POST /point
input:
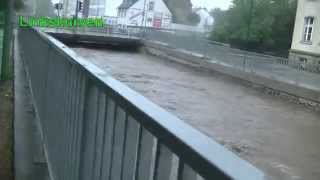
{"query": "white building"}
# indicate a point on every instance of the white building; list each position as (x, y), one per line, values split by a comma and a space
(305, 48)
(206, 20)
(96, 8)
(69, 7)
(144, 13)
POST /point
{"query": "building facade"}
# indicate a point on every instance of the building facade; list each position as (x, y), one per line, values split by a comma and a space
(305, 48)
(97, 8)
(92, 8)
(69, 8)
(144, 13)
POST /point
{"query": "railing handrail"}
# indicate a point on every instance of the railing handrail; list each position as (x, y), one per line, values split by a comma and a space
(203, 154)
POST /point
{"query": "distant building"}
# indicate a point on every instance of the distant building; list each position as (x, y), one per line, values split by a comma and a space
(206, 20)
(96, 8)
(305, 48)
(144, 13)
(69, 8)
(204, 25)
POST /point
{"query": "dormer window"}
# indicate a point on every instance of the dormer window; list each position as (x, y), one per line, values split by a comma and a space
(308, 29)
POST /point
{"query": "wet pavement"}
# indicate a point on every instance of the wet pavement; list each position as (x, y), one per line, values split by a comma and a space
(277, 136)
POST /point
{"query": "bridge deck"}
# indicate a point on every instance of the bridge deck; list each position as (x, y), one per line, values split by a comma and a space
(274, 134)
(83, 35)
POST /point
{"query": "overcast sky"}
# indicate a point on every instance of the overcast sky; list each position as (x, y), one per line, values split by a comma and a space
(209, 4)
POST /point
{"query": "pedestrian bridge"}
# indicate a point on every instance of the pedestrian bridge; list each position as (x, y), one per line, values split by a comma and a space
(94, 127)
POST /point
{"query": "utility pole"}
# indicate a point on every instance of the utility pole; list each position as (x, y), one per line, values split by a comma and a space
(61, 5)
(143, 24)
(58, 6)
(66, 6)
(143, 12)
(77, 9)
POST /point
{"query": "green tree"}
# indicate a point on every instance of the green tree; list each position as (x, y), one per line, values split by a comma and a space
(283, 25)
(256, 24)
(221, 28)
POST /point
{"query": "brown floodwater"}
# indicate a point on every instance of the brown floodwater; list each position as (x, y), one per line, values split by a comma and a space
(277, 136)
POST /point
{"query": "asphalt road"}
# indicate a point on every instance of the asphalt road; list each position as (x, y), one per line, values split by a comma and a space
(277, 136)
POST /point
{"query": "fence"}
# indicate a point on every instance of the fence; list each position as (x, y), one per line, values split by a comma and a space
(94, 127)
(198, 43)
(266, 65)
(114, 30)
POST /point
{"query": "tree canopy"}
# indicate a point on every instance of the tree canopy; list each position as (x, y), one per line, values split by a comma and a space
(2, 5)
(256, 24)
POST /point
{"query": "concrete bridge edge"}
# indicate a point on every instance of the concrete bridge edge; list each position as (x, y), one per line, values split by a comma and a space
(29, 160)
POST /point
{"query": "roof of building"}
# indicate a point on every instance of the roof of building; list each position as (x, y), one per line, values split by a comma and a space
(127, 4)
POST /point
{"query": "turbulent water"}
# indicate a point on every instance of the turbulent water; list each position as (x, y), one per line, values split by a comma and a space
(277, 136)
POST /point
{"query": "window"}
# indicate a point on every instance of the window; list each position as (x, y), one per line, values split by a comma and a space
(151, 6)
(308, 29)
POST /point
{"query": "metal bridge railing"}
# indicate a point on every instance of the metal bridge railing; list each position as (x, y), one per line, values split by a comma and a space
(133, 32)
(95, 127)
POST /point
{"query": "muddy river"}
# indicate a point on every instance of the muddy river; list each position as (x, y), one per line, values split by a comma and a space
(277, 136)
